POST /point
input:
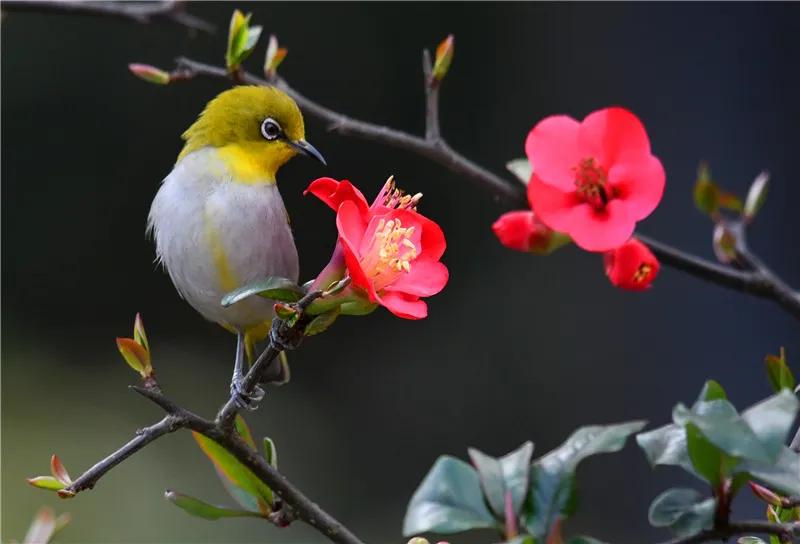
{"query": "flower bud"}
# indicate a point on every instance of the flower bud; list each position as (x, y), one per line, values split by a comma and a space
(149, 73)
(766, 495)
(631, 266)
(523, 231)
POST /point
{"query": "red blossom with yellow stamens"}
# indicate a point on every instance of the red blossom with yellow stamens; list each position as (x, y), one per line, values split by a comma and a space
(593, 179)
(631, 266)
(391, 251)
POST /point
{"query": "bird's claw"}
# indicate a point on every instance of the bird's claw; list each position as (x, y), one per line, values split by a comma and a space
(244, 400)
(284, 337)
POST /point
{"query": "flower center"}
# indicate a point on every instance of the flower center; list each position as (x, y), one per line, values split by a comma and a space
(592, 183)
(390, 253)
(642, 272)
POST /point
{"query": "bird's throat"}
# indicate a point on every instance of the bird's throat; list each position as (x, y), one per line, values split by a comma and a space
(250, 165)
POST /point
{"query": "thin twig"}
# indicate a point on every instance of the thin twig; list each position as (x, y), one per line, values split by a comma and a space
(221, 431)
(784, 531)
(760, 282)
(139, 12)
(433, 132)
(143, 437)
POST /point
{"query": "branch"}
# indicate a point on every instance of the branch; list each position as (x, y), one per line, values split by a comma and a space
(143, 437)
(139, 12)
(221, 430)
(759, 281)
(786, 532)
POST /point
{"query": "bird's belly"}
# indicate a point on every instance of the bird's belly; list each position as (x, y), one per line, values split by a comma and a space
(219, 238)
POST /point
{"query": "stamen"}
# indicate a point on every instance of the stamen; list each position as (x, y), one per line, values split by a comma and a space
(592, 183)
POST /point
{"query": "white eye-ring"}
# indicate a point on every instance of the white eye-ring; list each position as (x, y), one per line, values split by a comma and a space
(270, 129)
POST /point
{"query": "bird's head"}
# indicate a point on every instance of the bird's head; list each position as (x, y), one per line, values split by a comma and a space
(255, 129)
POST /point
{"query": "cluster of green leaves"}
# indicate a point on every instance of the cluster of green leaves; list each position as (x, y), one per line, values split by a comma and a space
(59, 480)
(710, 198)
(725, 448)
(524, 501)
(254, 497)
(242, 39)
(337, 300)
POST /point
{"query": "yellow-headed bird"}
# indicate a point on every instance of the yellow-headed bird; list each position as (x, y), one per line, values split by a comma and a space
(218, 219)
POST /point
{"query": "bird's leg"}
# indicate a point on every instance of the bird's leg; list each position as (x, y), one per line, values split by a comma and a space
(243, 400)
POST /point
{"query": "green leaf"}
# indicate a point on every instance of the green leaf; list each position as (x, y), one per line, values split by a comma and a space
(729, 201)
(666, 446)
(552, 476)
(771, 420)
(779, 374)
(201, 509)
(46, 482)
(706, 192)
(244, 431)
(449, 500)
(270, 452)
(521, 168)
(706, 457)
(272, 287)
(684, 511)
(783, 475)
(719, 422)
(245, 487)
(322, 322)
(712, 390)
(507, 474)
(756, 196)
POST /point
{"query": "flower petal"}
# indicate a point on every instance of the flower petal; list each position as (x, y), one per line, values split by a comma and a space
(402, 305)
(639, 184)
(333, 193)
(551, 205)
(552, 149)
(350, 224)
(600, 231)
(427, 277)
(606, 135)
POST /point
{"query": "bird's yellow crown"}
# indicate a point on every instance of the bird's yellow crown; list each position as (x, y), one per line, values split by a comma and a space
(240, 123)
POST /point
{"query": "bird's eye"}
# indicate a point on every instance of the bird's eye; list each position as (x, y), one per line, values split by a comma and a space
(270, 129)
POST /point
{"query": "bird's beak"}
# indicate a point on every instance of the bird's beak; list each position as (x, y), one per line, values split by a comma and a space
(307, 149)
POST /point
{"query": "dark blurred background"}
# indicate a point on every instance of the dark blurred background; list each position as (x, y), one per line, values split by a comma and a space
(517, 347)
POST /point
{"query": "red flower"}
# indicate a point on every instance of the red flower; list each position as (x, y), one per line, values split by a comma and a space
(391, 251)
(631, 266)
(595, 179)
(522, 231)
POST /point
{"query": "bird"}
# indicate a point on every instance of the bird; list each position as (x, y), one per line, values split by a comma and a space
(218, 220)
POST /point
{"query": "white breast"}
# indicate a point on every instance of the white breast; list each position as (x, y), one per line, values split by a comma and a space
(204, 223)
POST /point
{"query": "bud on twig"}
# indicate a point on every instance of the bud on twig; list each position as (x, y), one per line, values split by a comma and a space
(149, 73)
(136, 351)
(724, 243)
(441, 63)
(242, 39)
(274, 57)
